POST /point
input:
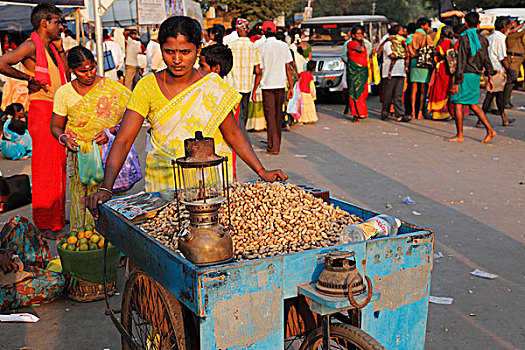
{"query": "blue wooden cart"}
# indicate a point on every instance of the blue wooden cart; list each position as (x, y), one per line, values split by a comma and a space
(271, 302)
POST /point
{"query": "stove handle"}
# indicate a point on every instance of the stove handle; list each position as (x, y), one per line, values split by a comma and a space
(369, 290)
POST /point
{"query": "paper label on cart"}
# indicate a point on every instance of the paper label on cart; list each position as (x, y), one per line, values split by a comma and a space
(375, 227)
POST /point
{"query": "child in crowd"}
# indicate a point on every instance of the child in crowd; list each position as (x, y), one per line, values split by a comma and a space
(307, 87)
(217, 58)
(15, 142)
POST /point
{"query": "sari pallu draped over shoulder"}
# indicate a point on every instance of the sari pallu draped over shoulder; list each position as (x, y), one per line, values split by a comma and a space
(357, 78)
(202, 106)
(101, 108)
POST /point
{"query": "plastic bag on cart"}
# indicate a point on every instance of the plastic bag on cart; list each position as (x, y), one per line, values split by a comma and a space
(90, 168)
(130, 173)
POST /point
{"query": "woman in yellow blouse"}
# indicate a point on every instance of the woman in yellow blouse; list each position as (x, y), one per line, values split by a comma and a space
(177, 102)
(82, 110)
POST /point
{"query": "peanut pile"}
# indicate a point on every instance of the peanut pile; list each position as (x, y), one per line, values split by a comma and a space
(274, 218)
(268, 219)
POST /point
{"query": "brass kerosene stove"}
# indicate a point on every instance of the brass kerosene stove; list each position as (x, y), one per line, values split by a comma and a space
(201, 184)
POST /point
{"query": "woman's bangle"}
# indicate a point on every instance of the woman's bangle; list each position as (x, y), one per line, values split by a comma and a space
(106, 190)
(259, 171)
(60, 141)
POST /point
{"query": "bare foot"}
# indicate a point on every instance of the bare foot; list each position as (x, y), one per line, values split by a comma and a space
(420, 116)
(489, 137)
(455, 139)
(355, 120)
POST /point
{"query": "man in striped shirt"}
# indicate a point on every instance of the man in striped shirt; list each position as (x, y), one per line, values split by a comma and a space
(246, 63)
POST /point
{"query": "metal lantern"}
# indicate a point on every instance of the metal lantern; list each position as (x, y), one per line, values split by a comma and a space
(201, 184)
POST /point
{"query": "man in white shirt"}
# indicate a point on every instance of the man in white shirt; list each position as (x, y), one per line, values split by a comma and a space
(116, 52)
(132, 52)
(498, 57)
(154, 54)
(246, 62)
(393, 80)
(276, 70)
(233, 36)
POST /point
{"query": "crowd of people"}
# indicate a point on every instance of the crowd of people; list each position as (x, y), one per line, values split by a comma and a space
(438, 74)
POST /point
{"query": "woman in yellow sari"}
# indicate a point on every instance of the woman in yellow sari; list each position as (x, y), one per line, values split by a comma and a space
(177, 102)
(82, 110)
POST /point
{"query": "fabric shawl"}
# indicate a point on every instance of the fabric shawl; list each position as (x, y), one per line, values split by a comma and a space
(475, 44)
(41, 69)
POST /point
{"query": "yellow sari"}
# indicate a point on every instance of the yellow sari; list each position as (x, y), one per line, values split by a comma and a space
(202, 106)
(101, 108)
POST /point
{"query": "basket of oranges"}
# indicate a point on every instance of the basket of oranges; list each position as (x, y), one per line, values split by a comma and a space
(81, 255)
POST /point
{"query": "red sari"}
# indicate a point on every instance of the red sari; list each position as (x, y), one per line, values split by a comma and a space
(358, 106)
(441, 81)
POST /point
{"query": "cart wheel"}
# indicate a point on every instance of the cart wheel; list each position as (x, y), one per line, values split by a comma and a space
(342, 337)
(152, 316)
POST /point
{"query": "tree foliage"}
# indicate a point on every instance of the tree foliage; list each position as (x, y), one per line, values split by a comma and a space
(259, 10)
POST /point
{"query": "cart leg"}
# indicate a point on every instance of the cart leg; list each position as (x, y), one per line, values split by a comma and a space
(326, 332)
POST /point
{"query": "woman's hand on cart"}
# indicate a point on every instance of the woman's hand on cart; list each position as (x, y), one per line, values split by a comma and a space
(272, 175)
(95, 199)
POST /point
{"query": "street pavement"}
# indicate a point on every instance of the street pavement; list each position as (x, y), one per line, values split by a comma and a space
(471, 195)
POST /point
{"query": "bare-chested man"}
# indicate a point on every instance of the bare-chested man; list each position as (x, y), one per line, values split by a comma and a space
(44, 60)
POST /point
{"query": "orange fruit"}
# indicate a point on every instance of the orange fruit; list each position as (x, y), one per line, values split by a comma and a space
(101, 243)
(94, 239)
(83, 247)
(89, 227)
(88, 234)
(71, 247)
(72, 239)
(93, 246)
(73, 232)
(64, 245)
(81, 235)
(83, 241)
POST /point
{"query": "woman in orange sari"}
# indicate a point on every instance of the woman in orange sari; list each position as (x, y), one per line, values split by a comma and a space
(357, 74)
(439, 93)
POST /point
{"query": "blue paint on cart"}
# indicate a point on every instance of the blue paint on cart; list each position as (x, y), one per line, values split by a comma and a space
(241, 304)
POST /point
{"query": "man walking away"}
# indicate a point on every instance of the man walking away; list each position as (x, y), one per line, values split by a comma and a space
(44, 62)
(393, 76)
(276, 59)
(515, 56)
(246, 61)
(154, 54)
(498, 58)
(132, 62)
(472, 59)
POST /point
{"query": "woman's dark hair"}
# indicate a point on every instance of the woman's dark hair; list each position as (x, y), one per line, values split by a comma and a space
(356, 28)
(411, 28)
(182, 25)
(218, 33)
(394, 29)
(460, 28)
(78, 55)
(447, 32)
(310, 66)
(13, 108)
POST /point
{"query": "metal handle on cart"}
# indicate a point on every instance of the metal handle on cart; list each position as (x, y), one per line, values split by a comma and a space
(369, 290)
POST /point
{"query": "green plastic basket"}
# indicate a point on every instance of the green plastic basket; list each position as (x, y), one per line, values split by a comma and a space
(88, 265)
